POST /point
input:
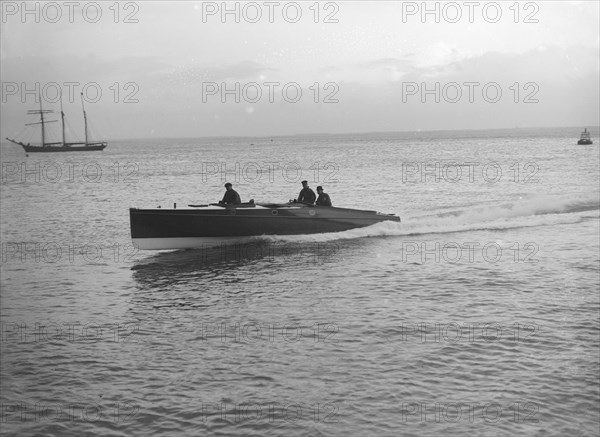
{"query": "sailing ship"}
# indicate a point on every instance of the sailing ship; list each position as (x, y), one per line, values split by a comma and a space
(59, 146)
(585, 138)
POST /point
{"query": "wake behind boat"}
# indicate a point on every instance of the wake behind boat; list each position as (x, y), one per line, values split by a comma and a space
(211, 225)
(58, 146)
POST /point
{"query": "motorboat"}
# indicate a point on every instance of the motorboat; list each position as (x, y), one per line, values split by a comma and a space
(198, 226)
(585, 138)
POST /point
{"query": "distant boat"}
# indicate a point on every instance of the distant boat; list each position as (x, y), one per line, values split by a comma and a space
(585, 138)
(60, 146)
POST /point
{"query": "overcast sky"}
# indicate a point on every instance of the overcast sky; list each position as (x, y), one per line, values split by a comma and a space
(176, 69)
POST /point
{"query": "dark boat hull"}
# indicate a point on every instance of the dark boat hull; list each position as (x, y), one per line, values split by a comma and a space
(192, 228)
(48, 149)
(584, 142)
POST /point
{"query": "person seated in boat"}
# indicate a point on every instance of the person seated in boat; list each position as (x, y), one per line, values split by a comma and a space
(231, 196)
(306, 194)
(323, 199)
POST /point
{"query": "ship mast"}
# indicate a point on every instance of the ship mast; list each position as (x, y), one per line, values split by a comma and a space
(84, 120)
(43, 127)
(42, 121)
(62, 115)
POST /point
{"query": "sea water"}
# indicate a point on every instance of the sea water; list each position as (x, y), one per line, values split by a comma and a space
(477, 314)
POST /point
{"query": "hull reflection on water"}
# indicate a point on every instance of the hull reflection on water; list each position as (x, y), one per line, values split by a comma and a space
(173, 267)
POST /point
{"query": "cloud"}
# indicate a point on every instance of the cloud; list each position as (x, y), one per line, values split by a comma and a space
(83, 69)
(243, 70)
(540, 64)
(561, 84)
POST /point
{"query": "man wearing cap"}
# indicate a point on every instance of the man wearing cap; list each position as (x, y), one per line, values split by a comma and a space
(323, 199)
(231, 196)
(306, 195)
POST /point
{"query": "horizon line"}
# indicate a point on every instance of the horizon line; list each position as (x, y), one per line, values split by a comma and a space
(3, 140)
